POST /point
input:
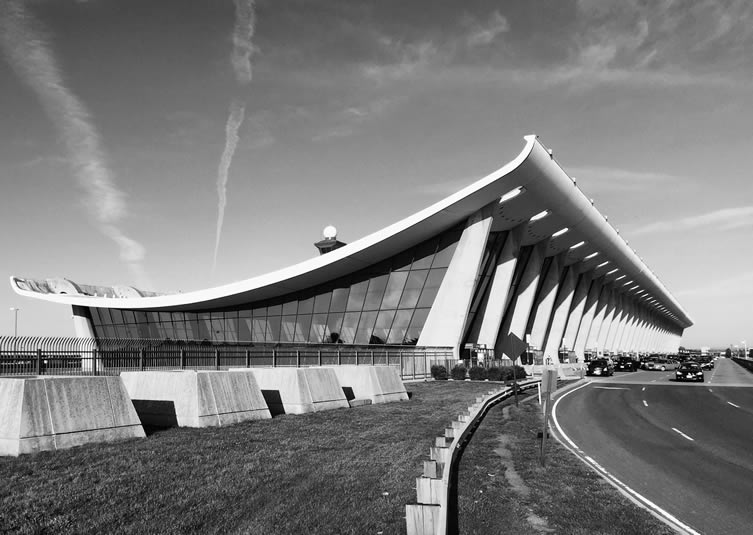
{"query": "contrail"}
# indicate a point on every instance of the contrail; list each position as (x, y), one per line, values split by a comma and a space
(23, 43)
(243, 48)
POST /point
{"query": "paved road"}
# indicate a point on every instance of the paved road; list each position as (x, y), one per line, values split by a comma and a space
(688, 448)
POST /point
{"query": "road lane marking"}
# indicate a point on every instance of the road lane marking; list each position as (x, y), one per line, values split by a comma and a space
(683, 434)
(736, 406)
(643, 389)
(644, 403)
(710, 390)
(631, 494)
(611, 388)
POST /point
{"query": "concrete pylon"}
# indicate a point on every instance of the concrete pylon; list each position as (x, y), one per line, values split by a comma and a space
(561, 312)
(511, 341)
(577, 308)
(606, 324)
(592, 340)
(592, 302)
(547, 294)
(499, 293)
(445, 324)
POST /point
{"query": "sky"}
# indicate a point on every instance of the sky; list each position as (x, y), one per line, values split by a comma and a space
(175, 145)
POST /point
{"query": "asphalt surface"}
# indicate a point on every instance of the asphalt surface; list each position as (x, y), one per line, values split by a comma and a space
(686, 447)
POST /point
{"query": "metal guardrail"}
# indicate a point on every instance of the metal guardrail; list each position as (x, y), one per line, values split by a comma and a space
(110, 356)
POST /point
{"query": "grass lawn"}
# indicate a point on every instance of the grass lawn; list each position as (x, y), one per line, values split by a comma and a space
(504, 489)
(339, 471)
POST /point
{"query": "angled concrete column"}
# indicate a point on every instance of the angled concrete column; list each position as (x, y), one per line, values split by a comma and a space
(446, 321)
(618, 321)
(606, 324)
(577, 308)
(511, 341)
(592, 341)
(624, 333)
(562, 306)
(592, 301)
(634, 340)
(499, 293)
(547, 294)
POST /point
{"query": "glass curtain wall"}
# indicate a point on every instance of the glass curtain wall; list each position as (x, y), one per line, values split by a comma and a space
(387, 303)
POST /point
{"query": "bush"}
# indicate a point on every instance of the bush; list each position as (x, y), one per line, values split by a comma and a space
(439, 372)
(477, 373)
(494, 374)
(458, 372)
(507, 372)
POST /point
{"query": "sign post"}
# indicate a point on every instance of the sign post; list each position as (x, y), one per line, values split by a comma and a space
(548, 385)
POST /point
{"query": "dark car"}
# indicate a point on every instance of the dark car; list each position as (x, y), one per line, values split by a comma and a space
(601, 367)
(626, 364)
(689, 371)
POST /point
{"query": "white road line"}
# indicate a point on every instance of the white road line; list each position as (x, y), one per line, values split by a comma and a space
(736, 406)
(636, 498)
(611, 388)
(683, 434)
(644, 403)
(710, 390)
(643, 389)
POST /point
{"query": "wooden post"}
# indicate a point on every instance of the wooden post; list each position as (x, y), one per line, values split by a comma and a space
(39, 361)
(141, 359)
(248, 358)
(182, 359)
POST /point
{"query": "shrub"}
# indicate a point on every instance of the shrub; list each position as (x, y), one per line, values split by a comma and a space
(458, 372)
(439, 372)
(477, 373)
(494, 374)
(507, 372)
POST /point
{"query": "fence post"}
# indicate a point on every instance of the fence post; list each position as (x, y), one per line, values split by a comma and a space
(182, 359)
(356, 357)
(339, 361)
(39, 361)
(217, 359)
(94, 361)
(141, 359)
(319, 354)
(297, 358)
(274, 358)
(372, 357)
(248, 358)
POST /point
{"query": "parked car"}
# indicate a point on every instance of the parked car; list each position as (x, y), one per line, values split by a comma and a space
(626, 364)
(689, 371)
(603, 367)
(661, 364)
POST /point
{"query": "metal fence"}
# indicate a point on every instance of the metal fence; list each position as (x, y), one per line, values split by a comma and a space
(110, 356)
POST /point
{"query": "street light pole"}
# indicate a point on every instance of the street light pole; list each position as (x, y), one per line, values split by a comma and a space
(15, 311)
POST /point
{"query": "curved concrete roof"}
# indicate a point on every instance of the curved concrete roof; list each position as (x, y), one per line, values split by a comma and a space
(541, 185)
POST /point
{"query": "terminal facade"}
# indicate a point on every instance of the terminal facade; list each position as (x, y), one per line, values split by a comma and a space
(518, 260)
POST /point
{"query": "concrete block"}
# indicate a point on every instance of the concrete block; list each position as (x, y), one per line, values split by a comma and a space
(52, 412)
(298, 390)
(189, 398)
(432, 469)
(439, 454)
(429, 491)
(381, 384)
(421, 519)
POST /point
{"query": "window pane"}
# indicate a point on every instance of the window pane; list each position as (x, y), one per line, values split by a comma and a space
(318, 327)
(104, 315)
(140, 316)
(394, 289)
(244, 331)
(128, 316)
(259, 312)
(357, 295)
(120, 331)
(192, 325)
(334, 323)
(433, 281)
(382, 326)
(274, 310)
(289, 308)
(416, 325)
(287, 330)
(273, 329)
(302, 327)
(306, 306)
(399, 326)
(258, 328)
(339, 299)
(413, 287)
(402, 261)
(447, 248)
(321, 303)
(95, 316)
(424, 254)
(365, 327)
(348, 331)
(117, 316)
(375, 292)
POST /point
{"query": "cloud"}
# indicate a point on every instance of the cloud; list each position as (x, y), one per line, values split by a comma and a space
(481, 34)
(408, 60)
(243, 48)
(735, 286)
(721, 220)
(30, 56)
(615, 179)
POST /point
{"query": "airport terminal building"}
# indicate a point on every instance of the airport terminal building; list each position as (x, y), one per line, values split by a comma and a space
(520, 258)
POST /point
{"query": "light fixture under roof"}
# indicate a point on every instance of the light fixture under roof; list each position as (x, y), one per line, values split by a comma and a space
(604, 263)
(615, 270)
(540, 215)
(560, 232)
(636, 286)
(589, 257)
(620, 278)
(579, 244)
(511, 194)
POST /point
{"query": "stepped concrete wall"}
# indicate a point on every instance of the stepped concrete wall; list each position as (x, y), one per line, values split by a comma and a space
(298, 390)
(189, 398)
(380, 384)
(51, 413)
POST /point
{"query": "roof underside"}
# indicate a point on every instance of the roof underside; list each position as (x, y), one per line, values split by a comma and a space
(541, 185)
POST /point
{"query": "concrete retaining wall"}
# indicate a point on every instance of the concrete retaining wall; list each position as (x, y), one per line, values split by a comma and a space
(50, 413)
(195, 398)
(380, 384)
(298, 390)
